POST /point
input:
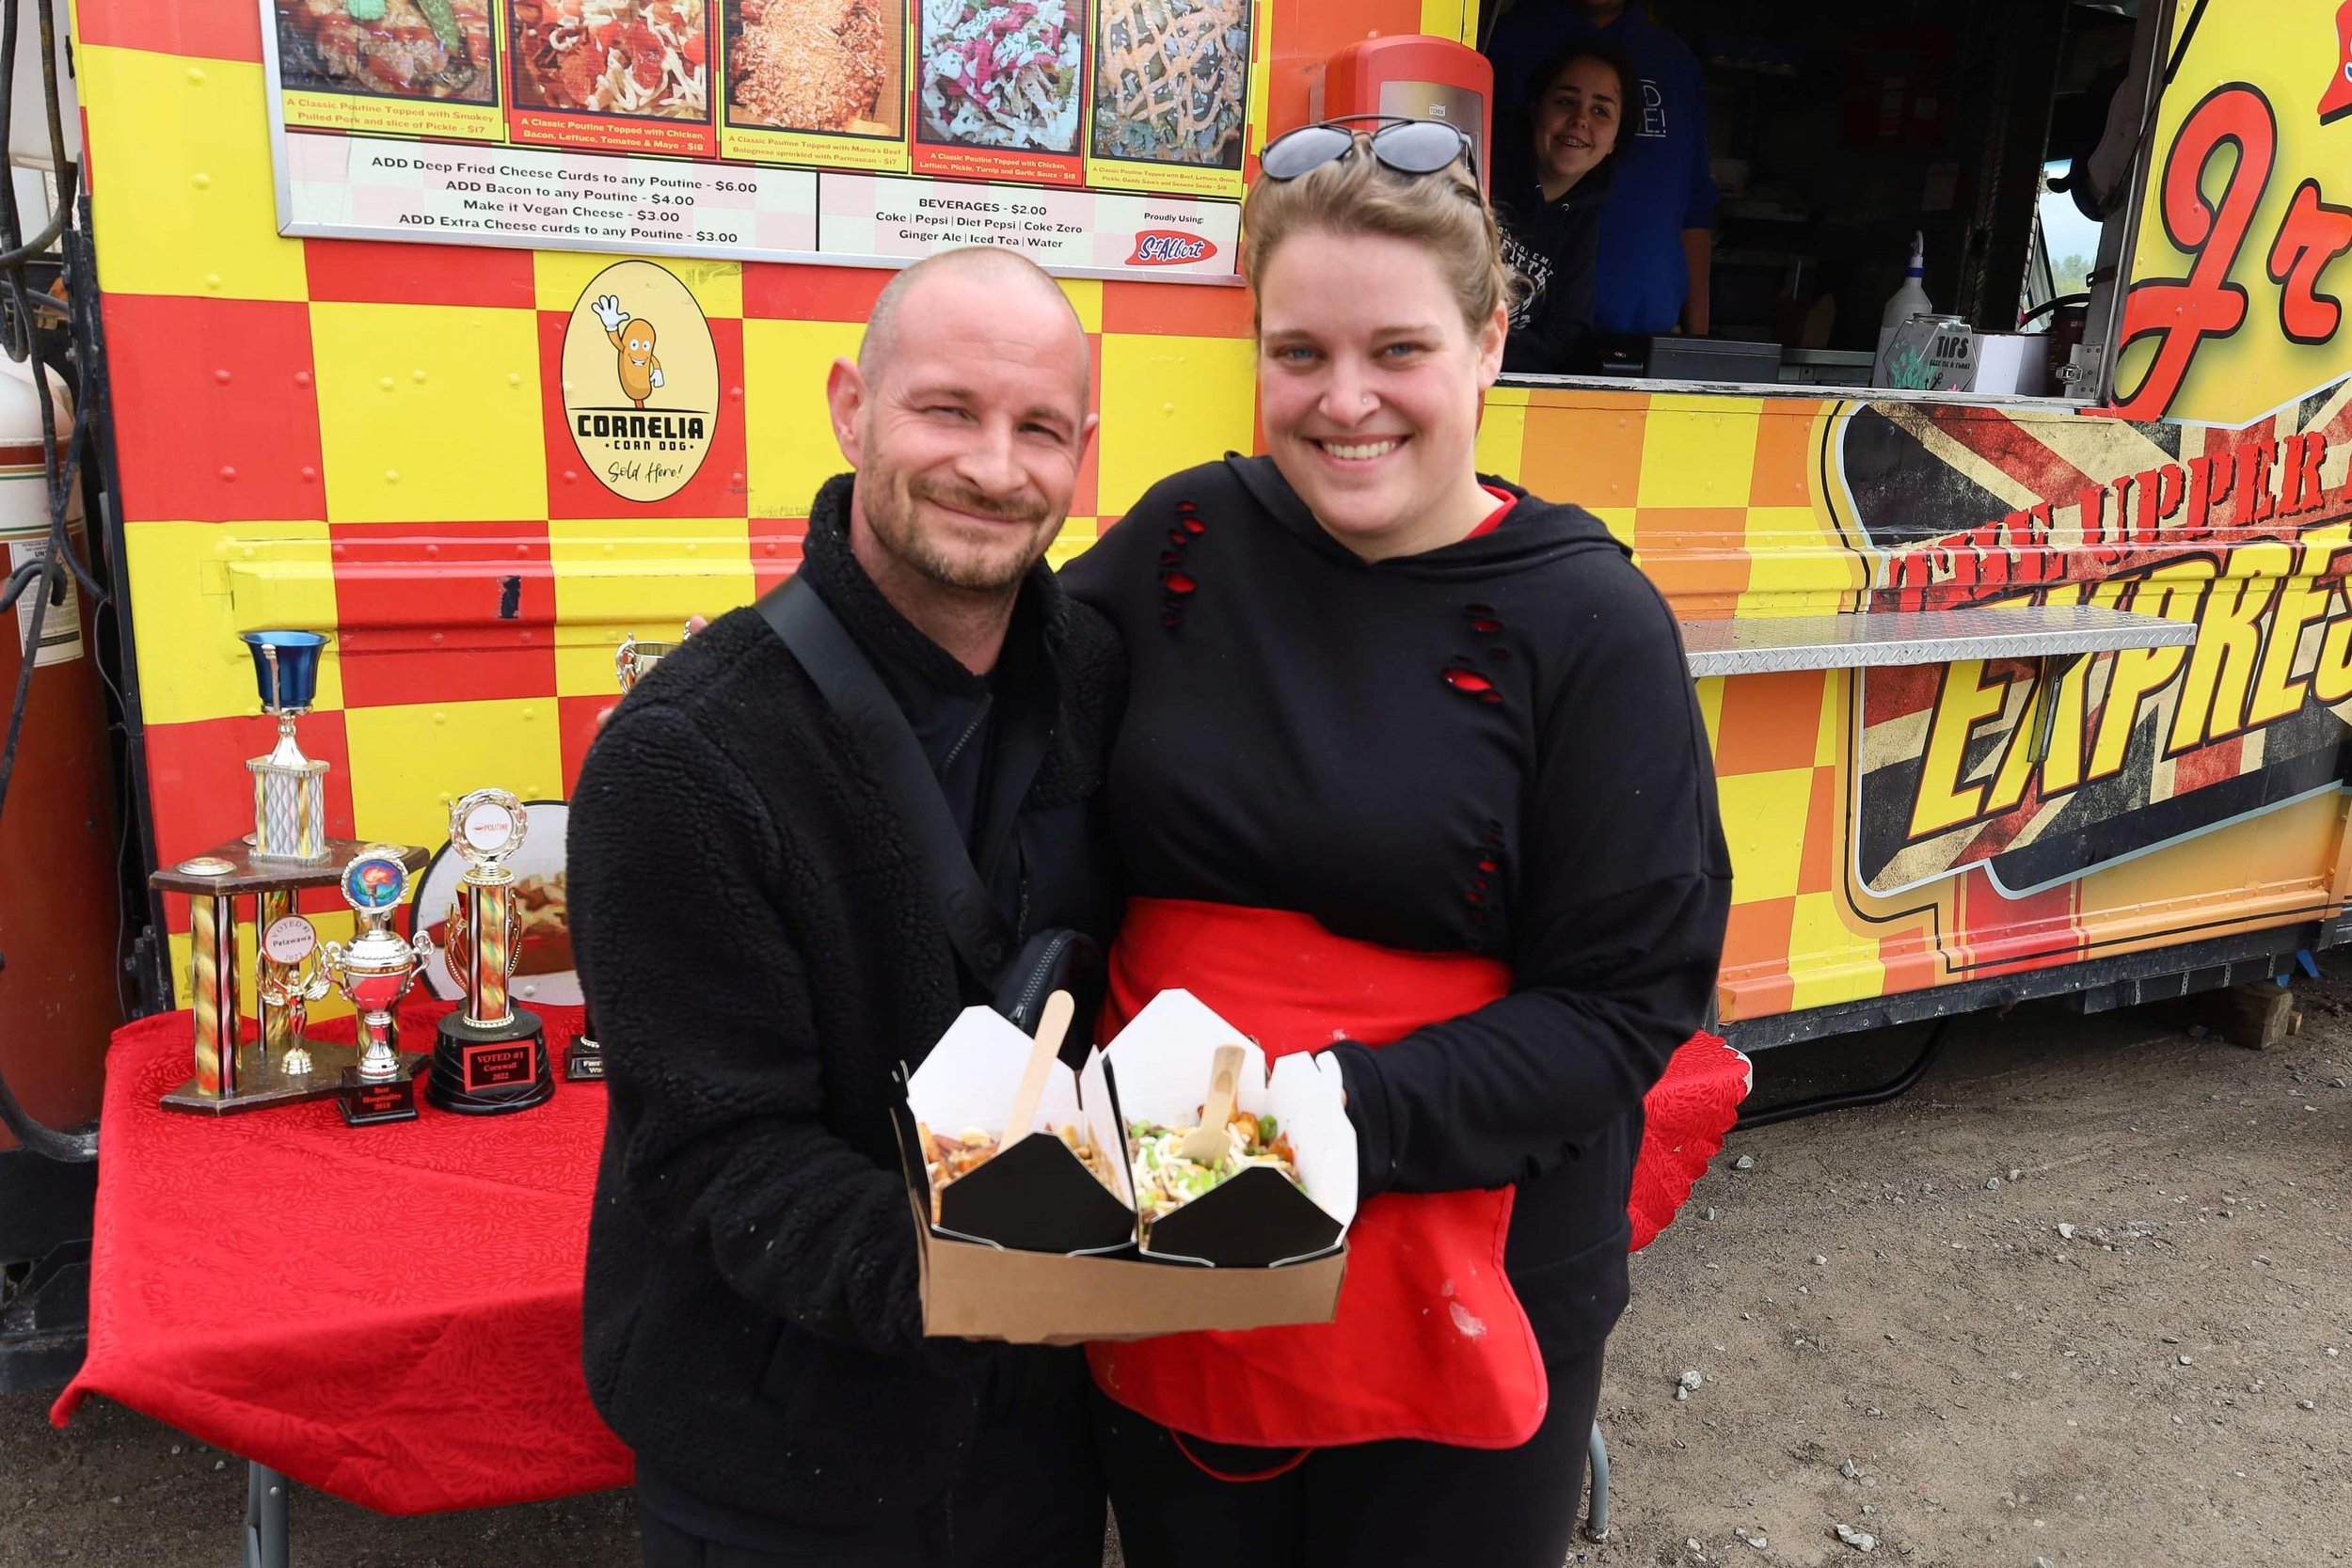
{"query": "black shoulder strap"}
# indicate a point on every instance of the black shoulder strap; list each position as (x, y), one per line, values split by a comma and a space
(799, 615)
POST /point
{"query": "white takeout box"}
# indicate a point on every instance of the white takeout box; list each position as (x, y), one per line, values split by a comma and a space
(1034, 1195)
(1159, 1071)
(983, 1288)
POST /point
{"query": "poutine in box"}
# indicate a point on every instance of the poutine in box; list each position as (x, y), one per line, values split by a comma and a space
(1283, 1190)
(1040, 1188)
(1022, 1247)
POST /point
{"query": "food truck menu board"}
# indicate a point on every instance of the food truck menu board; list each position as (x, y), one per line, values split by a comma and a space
(1101, 137)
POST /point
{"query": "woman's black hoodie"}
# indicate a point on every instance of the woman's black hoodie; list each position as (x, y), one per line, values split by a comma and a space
(1489, 748)
(1555, 249)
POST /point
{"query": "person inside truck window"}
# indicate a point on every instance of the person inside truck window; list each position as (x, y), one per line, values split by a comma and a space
(1551, 203)
(1411, 775)
(1657, 241)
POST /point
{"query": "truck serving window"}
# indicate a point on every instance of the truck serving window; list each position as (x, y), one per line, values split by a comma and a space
(1998, 137)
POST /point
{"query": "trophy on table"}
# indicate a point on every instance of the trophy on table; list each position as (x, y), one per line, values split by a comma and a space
(293, 975)
(491, 1055)
(631, 662)
(288, 789)
(373, 970)
(287, 851)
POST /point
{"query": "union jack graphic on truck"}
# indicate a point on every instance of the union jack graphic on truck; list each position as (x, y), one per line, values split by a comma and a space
(2245, 533)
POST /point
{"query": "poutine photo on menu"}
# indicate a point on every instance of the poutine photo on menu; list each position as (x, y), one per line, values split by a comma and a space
(814, 65)
(1001, 75)
(1169, 80)
(429, 48)
(646, 57)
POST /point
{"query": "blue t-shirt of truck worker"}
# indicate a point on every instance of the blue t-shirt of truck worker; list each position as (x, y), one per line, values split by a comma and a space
(1662, 185)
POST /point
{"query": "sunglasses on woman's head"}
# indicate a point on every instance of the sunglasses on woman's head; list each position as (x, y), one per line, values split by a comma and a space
(1409, 147)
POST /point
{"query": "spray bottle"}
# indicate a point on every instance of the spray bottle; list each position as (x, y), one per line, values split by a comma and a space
(1908, 301)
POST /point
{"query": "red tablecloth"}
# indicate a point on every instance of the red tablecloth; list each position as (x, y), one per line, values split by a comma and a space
(390, 1314)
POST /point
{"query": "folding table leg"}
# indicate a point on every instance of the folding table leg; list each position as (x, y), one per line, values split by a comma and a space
(1597, 1521)
(264, 1516)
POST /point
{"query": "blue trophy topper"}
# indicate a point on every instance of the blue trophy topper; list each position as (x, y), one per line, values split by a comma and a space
(286, 668)
(373, 970)
(288, 789)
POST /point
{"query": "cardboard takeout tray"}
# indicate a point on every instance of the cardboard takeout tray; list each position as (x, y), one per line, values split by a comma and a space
(1034, 1195)
(1030, 1298)
(1032, 1248)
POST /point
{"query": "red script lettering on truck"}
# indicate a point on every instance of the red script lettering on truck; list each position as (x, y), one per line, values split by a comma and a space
(2182, 312)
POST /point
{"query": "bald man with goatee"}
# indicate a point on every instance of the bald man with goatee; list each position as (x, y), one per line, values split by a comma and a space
(760, 947)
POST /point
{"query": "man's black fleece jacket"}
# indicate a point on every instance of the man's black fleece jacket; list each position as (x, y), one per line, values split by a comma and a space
(760, 950)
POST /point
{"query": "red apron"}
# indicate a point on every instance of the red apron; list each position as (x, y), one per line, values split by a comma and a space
(1429, 1341)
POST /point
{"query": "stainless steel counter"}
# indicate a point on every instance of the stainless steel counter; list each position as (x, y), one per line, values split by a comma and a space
(1856, 642)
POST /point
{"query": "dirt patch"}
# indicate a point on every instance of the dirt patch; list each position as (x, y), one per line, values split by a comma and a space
(116, 1490)
(2001, 1391)
(1896, 1335)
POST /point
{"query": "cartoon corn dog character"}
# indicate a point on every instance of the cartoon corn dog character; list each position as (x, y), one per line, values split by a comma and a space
(639, 372)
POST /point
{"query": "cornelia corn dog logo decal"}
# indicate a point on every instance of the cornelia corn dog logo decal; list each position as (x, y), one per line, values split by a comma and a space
(640, 381)
(2246, 534)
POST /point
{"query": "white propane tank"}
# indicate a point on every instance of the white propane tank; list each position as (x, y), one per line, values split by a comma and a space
(20, 409)
(24, 503)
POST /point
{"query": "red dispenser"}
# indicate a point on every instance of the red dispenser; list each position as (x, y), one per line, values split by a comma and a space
(1414, 75)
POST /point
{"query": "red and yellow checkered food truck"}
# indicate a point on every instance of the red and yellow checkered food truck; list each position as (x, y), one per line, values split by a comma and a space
(482, 335)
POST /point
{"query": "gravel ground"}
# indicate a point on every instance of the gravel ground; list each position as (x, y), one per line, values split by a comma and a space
(2077, 1298)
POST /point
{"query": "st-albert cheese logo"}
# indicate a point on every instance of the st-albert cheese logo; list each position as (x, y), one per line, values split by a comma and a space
(640, 381)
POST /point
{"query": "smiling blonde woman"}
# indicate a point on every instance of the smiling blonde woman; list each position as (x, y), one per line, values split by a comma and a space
(1410, 773)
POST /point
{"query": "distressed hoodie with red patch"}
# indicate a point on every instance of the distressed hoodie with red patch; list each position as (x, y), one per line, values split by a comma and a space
(1489, 748)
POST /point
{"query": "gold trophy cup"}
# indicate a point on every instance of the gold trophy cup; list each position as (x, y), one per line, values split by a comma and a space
(373, 970)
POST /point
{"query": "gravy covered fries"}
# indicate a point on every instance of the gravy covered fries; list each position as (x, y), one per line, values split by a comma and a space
(1165, 1179)
(813, 64)
(946, 1158)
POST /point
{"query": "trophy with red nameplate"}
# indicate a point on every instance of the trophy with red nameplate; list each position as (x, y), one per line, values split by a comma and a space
(491, 1056)
(373, 970)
